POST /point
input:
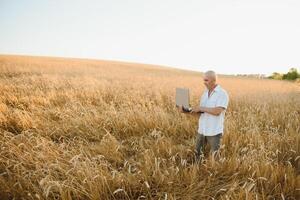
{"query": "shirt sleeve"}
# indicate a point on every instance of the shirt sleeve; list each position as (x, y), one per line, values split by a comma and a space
(223, 100)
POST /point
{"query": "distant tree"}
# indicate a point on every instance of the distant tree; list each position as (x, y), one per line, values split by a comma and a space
(291, 75)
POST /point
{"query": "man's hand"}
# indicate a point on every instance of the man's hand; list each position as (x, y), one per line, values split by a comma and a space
(195, 109)
(180, 108)
(183, 109)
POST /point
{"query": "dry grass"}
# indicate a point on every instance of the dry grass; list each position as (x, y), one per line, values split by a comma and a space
(84, 129)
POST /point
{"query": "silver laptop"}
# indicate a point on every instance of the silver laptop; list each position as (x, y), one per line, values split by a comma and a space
(182, 97)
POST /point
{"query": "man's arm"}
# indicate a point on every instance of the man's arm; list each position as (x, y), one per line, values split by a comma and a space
(220, 106)
(213, 111)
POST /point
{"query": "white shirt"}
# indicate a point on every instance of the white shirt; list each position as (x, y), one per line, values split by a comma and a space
(210, 125)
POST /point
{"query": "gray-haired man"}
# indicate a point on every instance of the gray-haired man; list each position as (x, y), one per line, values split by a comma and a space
(213, 104)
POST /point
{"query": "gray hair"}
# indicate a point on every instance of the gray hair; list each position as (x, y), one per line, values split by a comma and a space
(211, 74)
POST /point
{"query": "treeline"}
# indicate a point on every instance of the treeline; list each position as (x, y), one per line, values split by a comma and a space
(293, 74)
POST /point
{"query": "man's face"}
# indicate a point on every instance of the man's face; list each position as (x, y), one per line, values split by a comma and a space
(209, 82)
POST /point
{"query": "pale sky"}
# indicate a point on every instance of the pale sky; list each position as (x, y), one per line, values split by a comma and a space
(228, 36)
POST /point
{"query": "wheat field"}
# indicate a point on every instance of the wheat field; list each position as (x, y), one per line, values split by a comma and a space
(87, 129)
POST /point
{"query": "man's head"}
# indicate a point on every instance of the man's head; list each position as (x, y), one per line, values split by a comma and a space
(210, 79)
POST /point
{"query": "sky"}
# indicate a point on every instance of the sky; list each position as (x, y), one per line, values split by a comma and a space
(230, 37)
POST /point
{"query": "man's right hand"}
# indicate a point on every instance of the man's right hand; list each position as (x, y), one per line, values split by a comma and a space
(184, 110)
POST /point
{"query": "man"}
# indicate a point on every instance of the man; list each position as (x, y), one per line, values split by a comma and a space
(213, 104)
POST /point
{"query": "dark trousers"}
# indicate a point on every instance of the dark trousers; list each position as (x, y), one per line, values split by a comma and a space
(213, 141)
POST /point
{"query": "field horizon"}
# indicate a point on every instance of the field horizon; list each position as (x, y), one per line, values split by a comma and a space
(120, 62)
(75, 128)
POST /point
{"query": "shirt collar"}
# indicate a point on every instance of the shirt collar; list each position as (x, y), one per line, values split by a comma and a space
(217, 88)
